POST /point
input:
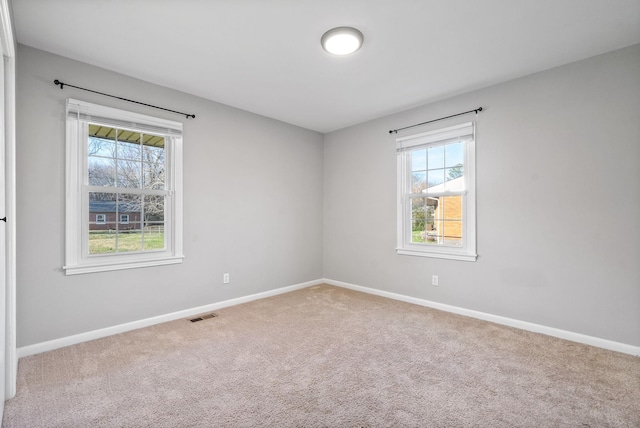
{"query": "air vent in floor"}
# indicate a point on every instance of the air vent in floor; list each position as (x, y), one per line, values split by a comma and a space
(204, 317)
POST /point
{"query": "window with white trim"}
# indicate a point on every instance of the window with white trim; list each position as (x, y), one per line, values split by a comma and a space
(436, 193)
(124, 172)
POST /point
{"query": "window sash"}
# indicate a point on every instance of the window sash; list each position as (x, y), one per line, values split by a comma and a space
(167, 222)
(408, 224)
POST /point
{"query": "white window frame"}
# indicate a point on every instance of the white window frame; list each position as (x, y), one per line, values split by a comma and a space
(77, 259)
(404, 146)
(125, 217)
(101, 218)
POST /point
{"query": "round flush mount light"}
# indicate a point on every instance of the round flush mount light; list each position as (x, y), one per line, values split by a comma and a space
(342, 40)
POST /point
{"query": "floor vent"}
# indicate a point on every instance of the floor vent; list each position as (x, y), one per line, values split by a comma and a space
(204, 317)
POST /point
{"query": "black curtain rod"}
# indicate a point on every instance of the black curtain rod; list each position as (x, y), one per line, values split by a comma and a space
(62, 85)
(435, 120)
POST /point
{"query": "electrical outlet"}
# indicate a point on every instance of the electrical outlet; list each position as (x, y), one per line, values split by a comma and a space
(225, 278)
(434, 280)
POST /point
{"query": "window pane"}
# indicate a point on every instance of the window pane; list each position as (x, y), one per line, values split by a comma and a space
(153, 148)
(153, 175)
(154, 223)
(101, 147)
(131, 205)
(438, 220)
(128, 145)
(129, 240)
(448, 221)
(436, 178)
(419, 160)
(431, 231)
(452, 233)
(104, 132)
(103, 241)
(435, 157)
(418, 219)
(154, 209)
(454, 161)
(154, 236)
(455, 179)
(454, 172)
(101, 171)
(418, 182)
(102, 226)
(451, 207)
(454, 154)
(130, 234)
(102, 209)
(154, 162)
(129, 173)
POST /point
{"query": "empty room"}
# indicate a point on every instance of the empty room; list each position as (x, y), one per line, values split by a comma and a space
(293, 213)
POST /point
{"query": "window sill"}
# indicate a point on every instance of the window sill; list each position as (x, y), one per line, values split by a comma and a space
(106, 267)
(438, 255)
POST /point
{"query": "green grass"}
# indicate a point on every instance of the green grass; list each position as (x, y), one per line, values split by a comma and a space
(104, 242)
(416, 236)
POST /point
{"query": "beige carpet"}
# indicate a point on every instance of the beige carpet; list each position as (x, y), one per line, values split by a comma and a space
(327, 357)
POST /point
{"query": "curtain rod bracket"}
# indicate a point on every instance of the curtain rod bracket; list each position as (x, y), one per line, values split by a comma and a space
(476, 110)
(187, 115)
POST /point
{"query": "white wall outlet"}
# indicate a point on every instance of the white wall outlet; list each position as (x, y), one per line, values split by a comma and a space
(434, 280)
(225, 278)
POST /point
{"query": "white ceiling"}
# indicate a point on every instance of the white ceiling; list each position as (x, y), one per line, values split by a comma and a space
(264, 56)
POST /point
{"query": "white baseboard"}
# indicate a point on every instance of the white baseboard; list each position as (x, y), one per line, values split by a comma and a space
(50, 345)
(523, 325)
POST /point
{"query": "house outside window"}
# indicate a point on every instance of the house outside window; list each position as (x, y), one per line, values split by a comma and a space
(436, 193)
(125, 173)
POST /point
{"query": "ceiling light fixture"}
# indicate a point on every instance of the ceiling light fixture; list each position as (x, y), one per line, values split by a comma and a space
(342, 40)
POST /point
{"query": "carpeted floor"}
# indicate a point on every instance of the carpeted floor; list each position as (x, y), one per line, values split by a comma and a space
(327, 357)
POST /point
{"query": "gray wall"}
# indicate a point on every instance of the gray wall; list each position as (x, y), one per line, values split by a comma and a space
(558, 201)
(252, 206)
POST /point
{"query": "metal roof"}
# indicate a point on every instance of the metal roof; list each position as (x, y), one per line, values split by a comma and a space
(110, 133)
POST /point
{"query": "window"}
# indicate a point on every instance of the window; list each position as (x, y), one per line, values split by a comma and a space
(436, 189)
(124, 171)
